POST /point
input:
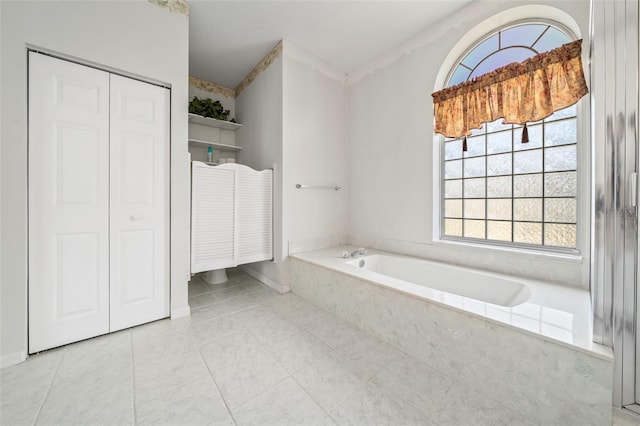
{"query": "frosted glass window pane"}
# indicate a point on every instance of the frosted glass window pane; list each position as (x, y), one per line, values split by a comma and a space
(499, 142)
(480, 131)
(499, 209)
(560, 210)
(560, 158)
(474, 229)
(475, 146)
(563, 113)
(485, 48)
(527, 162)
(474, 209)
(474, 167)
(535, 138)
(560, 133)
(562, 184)
(453, 227)
(560, 235)
(474, 188)
(498, 187)
(500, 231)
(527, 209)
(453, 150)
(522, 35)
(453, 208)
(499, 165)
(501, 189)
(527, 185)
(453, 189)
(550, 40)
(453, 169)
(502, 58)
(530, 233)
(459, 75)
(496, 126)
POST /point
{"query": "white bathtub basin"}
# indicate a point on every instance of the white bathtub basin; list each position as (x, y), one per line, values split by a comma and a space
(440, 277)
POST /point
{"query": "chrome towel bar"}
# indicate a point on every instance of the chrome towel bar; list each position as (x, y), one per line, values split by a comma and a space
(301, 186)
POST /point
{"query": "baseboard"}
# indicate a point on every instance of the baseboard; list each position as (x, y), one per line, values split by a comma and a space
(12, 359)
(274, 285)
(182, 312)
(624, 417)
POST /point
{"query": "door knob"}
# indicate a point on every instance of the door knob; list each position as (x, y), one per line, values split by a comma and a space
(136, 217)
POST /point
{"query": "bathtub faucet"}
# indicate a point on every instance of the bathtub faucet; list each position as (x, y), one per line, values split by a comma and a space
(360, 252)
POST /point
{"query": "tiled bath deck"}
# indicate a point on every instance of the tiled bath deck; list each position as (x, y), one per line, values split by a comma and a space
(247, 356)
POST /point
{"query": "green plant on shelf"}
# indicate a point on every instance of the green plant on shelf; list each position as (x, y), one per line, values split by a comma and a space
(207, 107)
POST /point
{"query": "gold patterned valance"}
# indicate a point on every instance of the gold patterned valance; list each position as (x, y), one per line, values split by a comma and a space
(518, 93)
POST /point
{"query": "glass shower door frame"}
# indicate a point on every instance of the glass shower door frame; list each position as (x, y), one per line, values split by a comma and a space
(614, 72)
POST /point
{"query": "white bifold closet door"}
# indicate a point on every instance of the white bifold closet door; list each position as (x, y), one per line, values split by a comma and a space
(68, 202)
(139, 213)
(98, 202)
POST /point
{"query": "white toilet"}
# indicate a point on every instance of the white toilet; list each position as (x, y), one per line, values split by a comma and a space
(218, 276)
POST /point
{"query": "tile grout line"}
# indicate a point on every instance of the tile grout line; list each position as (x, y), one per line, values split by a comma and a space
(314, 401)
(46, 396)
(292, 377)
(226, 406)
(198, 308)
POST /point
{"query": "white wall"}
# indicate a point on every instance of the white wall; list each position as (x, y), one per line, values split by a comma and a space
(136, 38)
(294, 115)
(391, 175)
(259, 110)
(315, 151)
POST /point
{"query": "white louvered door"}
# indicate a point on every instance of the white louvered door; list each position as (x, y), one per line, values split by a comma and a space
(212, 218)
(231, 216)
(254, 213)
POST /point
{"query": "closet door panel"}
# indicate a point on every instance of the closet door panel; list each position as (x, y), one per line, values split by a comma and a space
(68, 202)
(139, 202)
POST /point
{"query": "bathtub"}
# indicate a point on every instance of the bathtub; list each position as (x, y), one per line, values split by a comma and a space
(439, 279)
(527, 344)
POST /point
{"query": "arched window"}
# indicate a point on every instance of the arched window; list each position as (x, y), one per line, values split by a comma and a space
(502, 191)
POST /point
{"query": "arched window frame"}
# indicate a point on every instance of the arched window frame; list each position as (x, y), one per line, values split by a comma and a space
(582, 148)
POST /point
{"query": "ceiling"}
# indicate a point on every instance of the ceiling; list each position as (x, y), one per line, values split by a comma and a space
(228, 38)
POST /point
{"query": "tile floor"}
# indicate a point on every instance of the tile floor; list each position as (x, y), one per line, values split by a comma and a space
(246, 356)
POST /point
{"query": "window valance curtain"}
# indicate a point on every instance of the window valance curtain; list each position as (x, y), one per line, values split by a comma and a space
(519, 93)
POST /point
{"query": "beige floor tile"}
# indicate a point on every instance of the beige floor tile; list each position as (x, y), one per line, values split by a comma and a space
(96, 398)
(371, 406)
(149, 348)
(243, 380)
(369, 353)
(37, 364)
(194, 403)
(284, 403)
(154, 380)
(229, 349)
(298, 351)
(330, 379)
(463, 406)
(20, 400)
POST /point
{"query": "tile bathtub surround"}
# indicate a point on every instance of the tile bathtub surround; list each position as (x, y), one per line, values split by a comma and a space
(284, 361)
(545, 382)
